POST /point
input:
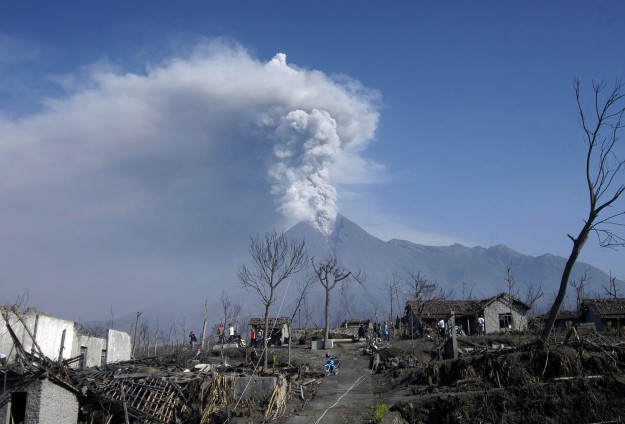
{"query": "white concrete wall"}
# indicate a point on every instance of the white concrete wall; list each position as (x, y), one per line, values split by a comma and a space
(6, 342)
(118, 347)
(49, 335)
(47, 330)
(501, 306)
(95, 346)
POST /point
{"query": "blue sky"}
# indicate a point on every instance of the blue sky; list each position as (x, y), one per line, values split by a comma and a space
(144, 141)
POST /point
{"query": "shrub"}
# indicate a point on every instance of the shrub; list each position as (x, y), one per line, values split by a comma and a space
(380, 412)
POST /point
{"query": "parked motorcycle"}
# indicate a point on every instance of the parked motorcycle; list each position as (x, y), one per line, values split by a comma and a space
(332, 364)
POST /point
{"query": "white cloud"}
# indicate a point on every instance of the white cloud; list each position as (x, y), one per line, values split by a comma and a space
(168, 163)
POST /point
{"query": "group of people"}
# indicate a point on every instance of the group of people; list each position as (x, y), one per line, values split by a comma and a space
(256, 337)
(379, 331)
(222, 336)
(459, 330)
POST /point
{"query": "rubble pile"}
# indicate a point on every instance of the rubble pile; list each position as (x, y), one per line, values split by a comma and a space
(181, 387)
(574, 381)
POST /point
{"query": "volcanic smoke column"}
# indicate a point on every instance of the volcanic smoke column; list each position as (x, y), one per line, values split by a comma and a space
(307, 145)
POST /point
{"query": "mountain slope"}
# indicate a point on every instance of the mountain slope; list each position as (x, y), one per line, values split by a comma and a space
(468, 271)
(476, 272)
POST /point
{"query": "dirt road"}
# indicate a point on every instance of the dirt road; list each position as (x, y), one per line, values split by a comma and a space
(343, 398)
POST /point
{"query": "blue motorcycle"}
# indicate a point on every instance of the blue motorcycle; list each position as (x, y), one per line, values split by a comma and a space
(332, 364)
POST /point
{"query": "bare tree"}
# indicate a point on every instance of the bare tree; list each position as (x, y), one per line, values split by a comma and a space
(92, 330)
(600, 131)
(275, 258)
(533, 295)
(394, 288)
(230, 315)
(511, 283)
(329, 274)
(612, 289)
(513, 293)
(230, 312)
(134, 336)
(303, 289)
(580, 286)
(203, 339)
(144, 337)
(348, 303)
(156, 334)
(422, 291)
(469, 295)
(111, 322)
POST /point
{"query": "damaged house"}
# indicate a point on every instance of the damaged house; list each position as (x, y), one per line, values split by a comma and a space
(59, 339)
(180, 387)
(279, 329)
(606, 314)
(29, 393)
(502, 313)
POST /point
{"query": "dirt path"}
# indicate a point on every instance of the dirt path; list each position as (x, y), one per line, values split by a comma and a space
(343, 398)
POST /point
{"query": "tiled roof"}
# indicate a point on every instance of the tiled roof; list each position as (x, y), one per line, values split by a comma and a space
(272, 321)
(444, 307)
(605, 307)
(562, 315)
(490, 300)
(460, 307)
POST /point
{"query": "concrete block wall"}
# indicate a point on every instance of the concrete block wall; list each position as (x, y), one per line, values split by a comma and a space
(51, 404)
(95, 346)
(47, 403)
(119, 347)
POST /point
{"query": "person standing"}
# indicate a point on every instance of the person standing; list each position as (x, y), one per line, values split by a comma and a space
(441, 327)
(220, 332)
(230, 332)
(386, 336)
(192, 339)
(253, 337)
(480, 326)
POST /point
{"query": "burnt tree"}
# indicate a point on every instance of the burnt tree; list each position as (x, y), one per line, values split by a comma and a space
(274, 259)
(330, 274)
(604, 167)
